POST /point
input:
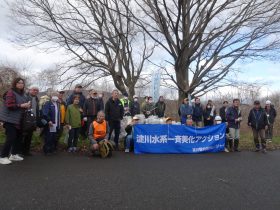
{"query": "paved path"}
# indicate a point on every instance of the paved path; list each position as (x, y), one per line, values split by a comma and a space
(245, 180)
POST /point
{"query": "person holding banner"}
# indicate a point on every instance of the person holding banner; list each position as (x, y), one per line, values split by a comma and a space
(234, 119)
(129, 131)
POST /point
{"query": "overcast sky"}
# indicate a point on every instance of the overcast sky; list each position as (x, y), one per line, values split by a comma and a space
(265, 71)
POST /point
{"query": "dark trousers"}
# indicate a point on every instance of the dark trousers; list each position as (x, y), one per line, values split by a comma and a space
(13, 140)
(58, 136)
(27, 138)
(269, 132)
(259, 133)
(50, 138)
(73, 137)
(89, 122)
(115, 126)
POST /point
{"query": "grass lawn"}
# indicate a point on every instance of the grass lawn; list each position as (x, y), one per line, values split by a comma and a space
(246, 141)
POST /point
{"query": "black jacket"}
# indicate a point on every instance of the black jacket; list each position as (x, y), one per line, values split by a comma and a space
(92, 106)
(257, 119)
(223, 114)
(272, 114)
(135, 108)
(114, 110)
(207, 114)
(197, 112)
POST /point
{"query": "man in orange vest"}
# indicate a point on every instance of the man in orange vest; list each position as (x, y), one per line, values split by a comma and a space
(99, 132)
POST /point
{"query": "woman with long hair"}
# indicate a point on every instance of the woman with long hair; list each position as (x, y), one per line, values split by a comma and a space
(11, 114)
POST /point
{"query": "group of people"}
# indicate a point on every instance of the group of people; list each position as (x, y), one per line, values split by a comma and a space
(88, 117)
(261, 120)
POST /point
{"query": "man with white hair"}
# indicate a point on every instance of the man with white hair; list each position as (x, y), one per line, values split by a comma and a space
(271, 115)
(27, 136)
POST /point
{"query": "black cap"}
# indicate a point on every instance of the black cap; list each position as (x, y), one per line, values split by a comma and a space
(125, 94)
(78, 86)
(257, 102)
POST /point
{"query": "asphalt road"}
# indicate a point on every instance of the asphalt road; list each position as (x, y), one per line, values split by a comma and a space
(245, 180)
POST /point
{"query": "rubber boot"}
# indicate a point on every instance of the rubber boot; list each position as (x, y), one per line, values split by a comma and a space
(236, 143)
(230, 142)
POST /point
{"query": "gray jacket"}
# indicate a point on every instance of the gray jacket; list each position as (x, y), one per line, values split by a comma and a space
(12, 115)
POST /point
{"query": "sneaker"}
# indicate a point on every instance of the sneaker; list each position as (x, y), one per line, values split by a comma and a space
(264, 151)
(15, 158)
(126, 151)
(226, 150)
(257, 150)
(5, 161)
(74, 149)
(70, 149)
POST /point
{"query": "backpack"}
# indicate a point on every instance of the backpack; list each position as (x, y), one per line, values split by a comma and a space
(105, 149)
(29, 120)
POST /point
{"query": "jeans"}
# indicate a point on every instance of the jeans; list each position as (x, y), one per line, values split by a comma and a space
(234, 134)
(73, 137)
(269, 132)
(115, 126)
(259, 133)
(129, 141)
(13, 140)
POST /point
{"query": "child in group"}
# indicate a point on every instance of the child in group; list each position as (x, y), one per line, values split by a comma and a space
(73, 122)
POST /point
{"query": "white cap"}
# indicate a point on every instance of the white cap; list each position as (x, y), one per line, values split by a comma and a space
(268, 102)
(218, 118)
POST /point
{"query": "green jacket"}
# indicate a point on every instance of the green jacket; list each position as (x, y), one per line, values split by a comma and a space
(73, 116)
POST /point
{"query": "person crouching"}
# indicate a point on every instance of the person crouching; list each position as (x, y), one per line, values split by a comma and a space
(98, 135)
(129, 131)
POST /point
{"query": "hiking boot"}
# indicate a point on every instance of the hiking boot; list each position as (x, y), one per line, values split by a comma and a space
(264, 151)
(5, 161)
(15, 158)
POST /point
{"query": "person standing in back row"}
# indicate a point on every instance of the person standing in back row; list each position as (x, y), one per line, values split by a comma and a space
(114, 114)
(27, 136)
(92, 106)
(135, 106)
(271, 115)
(257, 120)
(160, 107)
(234, 119)
(197, 113)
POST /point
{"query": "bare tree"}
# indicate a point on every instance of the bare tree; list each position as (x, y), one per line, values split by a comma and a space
(100, 41)
(205, 38)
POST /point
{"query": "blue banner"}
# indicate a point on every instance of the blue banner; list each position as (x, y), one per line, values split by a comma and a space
(178, 139)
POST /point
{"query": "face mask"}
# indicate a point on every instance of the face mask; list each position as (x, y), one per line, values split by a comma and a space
(54, 98)
(150, 101)
(94, 97)
(135, 99)
(208, 107)
(100, 96)
(218, 122)
(125, 98)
